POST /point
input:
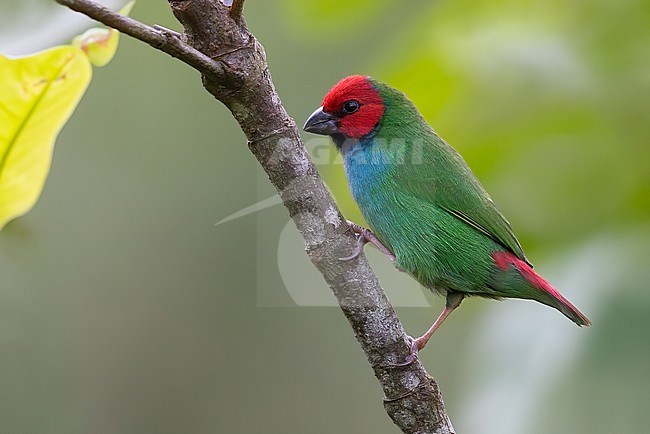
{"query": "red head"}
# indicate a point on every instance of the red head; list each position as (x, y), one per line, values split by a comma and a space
(353, 107)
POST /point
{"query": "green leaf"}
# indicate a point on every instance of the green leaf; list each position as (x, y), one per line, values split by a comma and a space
(39, 94)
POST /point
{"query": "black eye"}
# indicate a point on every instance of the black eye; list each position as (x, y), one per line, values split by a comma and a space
(351, 106)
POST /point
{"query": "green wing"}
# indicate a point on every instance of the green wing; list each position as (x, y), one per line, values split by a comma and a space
(428, 169)
(441, 177)
(509, 240)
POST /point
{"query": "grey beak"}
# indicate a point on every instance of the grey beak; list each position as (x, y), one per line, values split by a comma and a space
(321, 122)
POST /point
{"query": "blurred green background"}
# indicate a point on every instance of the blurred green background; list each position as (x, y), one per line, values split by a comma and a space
(123, 308)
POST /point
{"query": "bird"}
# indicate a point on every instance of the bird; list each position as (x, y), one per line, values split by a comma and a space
(424, 206)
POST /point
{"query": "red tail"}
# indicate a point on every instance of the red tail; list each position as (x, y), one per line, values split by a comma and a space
(503, 260)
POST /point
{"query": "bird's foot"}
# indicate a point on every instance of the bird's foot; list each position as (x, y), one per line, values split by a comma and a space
(365, 236)
(416, 346)
(361, 240)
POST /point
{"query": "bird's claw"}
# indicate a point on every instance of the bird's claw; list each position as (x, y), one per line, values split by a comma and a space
(413, 355)
(361, 242)
(365, 236)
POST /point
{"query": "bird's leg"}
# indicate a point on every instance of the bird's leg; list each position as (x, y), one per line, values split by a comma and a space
(453, 301)
(365, 236)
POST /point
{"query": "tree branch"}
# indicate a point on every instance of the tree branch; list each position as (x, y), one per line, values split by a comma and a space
(235, 71)
(156, 37)
(237, 9)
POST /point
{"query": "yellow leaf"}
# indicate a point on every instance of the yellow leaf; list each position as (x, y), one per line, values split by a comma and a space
(38, 93)
(127, 8)
(100, 44)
